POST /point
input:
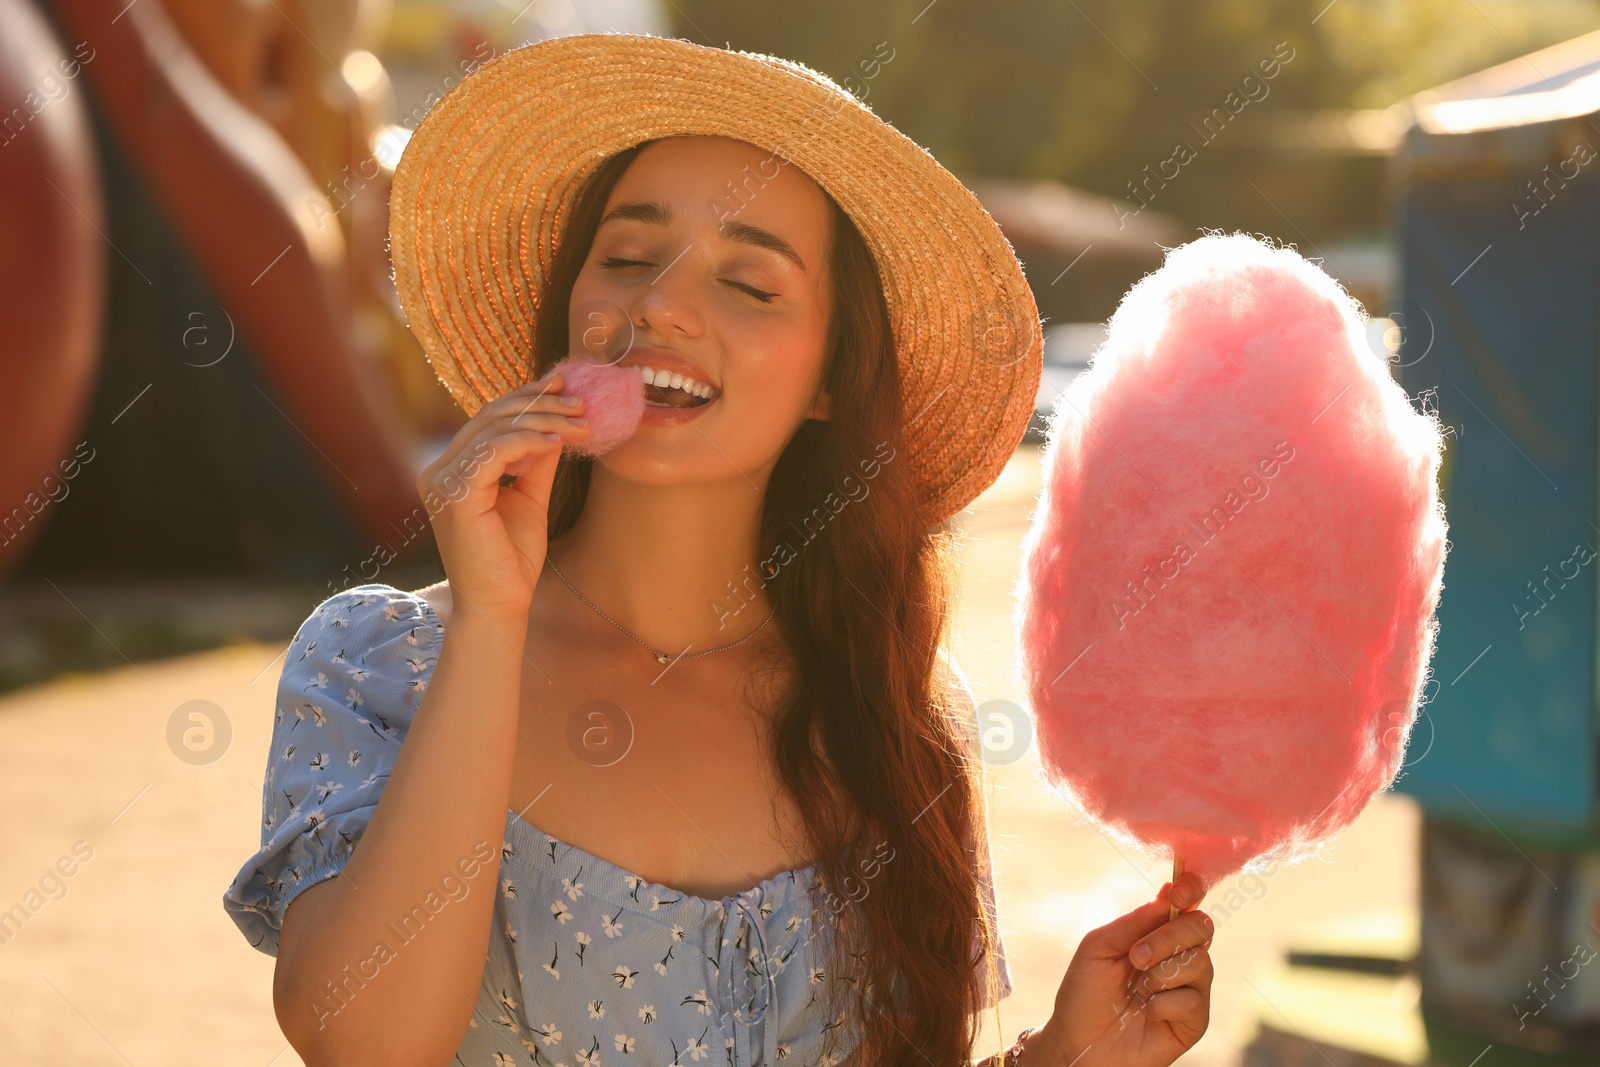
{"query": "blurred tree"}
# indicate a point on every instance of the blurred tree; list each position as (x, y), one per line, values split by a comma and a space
(1091, 92)
(1388, 49)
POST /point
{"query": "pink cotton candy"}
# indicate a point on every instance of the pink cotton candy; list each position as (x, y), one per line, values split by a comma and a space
(1226, 608)
(614, 402)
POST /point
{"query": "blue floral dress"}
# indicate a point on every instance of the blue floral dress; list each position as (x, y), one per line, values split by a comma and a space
(588, 964)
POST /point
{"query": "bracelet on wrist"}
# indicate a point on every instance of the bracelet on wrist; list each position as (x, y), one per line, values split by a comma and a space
(1015, 1051)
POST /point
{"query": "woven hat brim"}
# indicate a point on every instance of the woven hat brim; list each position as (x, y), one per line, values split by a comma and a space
(484, 187)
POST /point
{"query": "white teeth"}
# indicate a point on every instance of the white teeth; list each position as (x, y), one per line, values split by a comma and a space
(668, 380)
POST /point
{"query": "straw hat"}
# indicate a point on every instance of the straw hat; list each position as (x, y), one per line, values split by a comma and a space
(485, 185)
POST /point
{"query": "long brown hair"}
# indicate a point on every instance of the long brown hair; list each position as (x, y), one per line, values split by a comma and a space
(868, 744)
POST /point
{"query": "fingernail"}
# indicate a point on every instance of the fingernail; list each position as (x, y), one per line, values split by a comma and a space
(578, 422)
(1140, 956)
(1181, 896)
(572, 401)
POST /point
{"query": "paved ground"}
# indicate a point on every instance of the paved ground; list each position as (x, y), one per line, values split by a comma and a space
(131, 960)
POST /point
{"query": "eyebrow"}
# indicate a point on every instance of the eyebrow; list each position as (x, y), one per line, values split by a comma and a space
(659, 214)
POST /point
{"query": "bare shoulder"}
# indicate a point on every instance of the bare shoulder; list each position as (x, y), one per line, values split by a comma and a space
(438, 595)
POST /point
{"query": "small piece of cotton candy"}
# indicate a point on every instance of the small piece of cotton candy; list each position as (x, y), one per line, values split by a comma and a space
(613, 402)
(1226, 607)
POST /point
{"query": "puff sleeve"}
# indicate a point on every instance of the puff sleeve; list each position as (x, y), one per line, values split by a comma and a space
(352, 680)
(963, 708)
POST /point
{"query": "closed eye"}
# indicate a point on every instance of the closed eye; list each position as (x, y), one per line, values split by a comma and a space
(760, 294)
(612, 262)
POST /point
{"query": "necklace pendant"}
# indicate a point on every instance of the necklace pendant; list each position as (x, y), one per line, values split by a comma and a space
(661, 657)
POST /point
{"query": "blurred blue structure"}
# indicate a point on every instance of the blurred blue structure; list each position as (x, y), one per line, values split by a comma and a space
(1500, 251)
(1498, 214)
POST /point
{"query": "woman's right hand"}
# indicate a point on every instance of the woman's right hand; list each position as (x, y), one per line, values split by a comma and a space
(1138, 990)
(492, 539)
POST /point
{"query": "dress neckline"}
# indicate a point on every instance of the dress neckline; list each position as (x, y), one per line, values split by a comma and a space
(767, 887)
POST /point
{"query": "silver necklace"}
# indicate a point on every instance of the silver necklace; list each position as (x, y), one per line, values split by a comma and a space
(661, 657)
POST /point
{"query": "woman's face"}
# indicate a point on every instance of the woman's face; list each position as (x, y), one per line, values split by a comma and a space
(716, 252)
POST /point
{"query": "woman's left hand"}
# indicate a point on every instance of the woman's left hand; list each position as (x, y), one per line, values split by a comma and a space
(1138, 991)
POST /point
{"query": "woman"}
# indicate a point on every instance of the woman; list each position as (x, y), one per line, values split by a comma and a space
(692, 691)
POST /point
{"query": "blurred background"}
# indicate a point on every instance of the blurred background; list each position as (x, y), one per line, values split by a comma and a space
(211, 416)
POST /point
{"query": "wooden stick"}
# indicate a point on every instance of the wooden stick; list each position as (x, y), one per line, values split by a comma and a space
(1177, 872)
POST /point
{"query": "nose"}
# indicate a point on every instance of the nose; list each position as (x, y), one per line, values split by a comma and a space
(669, 303)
